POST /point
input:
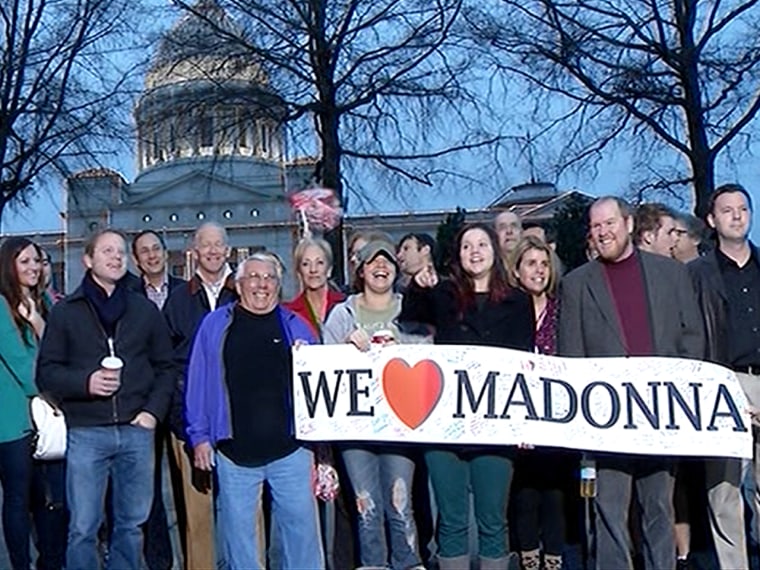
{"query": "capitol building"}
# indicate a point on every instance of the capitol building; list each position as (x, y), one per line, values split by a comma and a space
(211, 145)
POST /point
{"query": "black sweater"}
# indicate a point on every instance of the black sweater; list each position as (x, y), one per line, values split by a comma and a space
(507, 324)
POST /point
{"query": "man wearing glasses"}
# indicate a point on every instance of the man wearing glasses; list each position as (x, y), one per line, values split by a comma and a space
(239, 419)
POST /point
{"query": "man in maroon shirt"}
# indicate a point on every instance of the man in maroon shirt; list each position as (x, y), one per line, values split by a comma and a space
(629, 303)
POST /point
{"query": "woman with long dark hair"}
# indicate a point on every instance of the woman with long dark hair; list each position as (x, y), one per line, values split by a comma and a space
(476, 305)
(22, 321)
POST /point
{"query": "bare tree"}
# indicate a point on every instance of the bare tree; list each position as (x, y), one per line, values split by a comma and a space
(382, 81)
(666, 75)
(60, 92)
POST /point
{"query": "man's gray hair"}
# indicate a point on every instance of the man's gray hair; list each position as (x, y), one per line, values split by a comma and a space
(264, 257)
(207, 225)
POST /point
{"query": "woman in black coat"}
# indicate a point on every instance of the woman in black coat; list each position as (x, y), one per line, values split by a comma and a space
(476, 306)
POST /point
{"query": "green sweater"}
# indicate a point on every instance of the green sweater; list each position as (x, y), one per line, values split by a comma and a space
(18, 387)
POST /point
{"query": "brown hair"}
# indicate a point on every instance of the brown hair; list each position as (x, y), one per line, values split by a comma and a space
(648, 218)
(498, 282)
(92, 240)
(524, 246)
(10, 287)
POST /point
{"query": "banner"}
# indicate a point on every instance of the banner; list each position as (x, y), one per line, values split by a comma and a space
(473, 395)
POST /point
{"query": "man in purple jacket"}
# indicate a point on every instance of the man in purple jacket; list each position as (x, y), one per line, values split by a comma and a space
(239, 418)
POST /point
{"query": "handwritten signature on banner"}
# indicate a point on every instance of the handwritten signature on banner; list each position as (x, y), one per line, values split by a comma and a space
(468, 395)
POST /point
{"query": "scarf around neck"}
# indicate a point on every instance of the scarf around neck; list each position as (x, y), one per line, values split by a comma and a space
(109, 309)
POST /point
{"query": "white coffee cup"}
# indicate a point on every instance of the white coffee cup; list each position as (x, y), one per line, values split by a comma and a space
(113, 364)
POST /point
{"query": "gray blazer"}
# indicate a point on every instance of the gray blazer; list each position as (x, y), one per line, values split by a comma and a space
(588, 323)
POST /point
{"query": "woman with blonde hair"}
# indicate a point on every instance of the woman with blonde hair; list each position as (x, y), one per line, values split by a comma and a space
(540, 474)
(313, 260)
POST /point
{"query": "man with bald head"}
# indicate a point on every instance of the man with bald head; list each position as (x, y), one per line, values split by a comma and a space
(508, 228)
(212, 286)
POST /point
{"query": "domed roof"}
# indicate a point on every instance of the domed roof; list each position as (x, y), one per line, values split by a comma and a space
(201, 46)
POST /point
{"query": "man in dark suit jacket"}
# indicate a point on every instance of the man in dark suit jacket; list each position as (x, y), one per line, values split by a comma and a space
(629, 303)
(727, 282)
(150, 256)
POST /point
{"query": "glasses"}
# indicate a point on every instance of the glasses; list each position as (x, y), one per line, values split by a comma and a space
(261, 277)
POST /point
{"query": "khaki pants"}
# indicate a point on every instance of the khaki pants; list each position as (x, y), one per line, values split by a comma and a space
(726, 505)
(198, 544)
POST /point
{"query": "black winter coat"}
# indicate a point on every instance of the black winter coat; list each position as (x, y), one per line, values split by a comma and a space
(184, 310)
(75, 342)
(508, 324)
(713, 300)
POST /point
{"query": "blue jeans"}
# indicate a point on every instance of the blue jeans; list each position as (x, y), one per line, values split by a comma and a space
(123, 453)
(16, 481)
(294, 511)
(653, 479)
(382, 484)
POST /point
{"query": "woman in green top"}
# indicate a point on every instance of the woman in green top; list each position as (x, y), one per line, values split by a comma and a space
(22, 320)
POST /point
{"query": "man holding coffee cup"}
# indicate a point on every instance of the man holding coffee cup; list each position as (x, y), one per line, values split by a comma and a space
(106, 358)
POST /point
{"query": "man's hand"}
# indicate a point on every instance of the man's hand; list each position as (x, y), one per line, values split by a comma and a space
(203, 456)
(427, 277)
(145, 420)
(103, 383)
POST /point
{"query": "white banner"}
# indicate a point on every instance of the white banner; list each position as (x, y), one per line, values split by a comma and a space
(494, 396)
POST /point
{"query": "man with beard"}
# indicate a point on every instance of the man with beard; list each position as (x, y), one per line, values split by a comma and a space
(629, 303)
(212, 286)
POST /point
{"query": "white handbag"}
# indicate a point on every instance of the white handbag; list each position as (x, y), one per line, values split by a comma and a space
(50, 430)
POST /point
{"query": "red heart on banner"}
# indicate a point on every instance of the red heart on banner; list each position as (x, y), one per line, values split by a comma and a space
(412, 392)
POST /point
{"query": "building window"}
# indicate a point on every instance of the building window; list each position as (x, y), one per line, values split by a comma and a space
(264, 137)
(200, 216)
(173, 217)
(227, 214)
(242, 128)
(147, 218)
(254, 213)
(207, 129)
(172, 139)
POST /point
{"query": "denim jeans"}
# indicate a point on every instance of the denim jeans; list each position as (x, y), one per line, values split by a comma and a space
(653, 479)
(123, 453)
(49, 513)
(294, 511)
(16, 480)
(490, 477)
(382, 484)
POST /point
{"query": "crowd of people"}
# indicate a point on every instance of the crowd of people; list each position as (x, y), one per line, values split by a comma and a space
(203, 383)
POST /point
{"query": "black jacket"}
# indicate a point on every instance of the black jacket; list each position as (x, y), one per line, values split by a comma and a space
(508, 324)
(184, 310)
(75, 342)
(713, 300)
